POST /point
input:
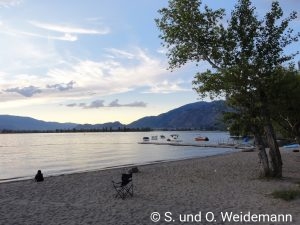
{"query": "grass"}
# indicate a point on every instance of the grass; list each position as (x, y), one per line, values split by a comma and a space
(287, 195)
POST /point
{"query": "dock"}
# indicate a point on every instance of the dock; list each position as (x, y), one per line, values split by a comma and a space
(210, 145)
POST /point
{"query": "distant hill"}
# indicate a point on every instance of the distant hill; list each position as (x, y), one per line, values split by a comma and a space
(199, 115)
(17, 123)
(111, 125)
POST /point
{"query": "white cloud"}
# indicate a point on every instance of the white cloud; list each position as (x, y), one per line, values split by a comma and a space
(112, 76)
(9, 3)
(17, 33)
(65, 36)
(92, 78)
(68, 33)
(167, 87)
(68, 29)
(116, 53)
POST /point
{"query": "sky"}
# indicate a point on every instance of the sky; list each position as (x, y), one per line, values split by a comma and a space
(94, 61)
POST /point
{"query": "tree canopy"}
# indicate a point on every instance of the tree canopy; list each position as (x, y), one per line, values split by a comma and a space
(246, 54)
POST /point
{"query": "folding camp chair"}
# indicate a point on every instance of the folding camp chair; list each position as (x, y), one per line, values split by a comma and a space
(125, 187)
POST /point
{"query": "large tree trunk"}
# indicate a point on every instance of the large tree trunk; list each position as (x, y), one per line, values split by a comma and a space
(262, 154)
(276, 161)
(274, 153)
(264, 161)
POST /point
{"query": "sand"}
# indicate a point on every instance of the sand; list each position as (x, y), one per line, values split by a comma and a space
(210, 186)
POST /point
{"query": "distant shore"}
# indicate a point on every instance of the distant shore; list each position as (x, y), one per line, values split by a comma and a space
(202, 188)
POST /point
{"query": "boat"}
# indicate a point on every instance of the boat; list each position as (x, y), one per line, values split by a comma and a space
(146, 139)
(174, 138)
(292, 146)
(201, 139)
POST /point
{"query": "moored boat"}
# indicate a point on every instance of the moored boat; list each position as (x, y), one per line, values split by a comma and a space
(292, 146)
(174, 138)
(146, 139)
(154, 138)
(201, 139)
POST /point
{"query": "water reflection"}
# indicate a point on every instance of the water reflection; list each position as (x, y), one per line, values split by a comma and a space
(23, 154)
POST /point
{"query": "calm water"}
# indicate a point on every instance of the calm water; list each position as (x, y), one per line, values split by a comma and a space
(21, 155)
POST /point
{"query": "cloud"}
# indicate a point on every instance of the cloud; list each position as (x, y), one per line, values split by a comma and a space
(107, 76)
(100, 104)
(166, 87)
(68, 29)
(25, 91)
(94, 104)
(62, 87)
(66, 37)
(71, 105)
(113, 76)
(115, 103)
(68, 33)
(120, 53)
(19, 33)
(9, 3)
(136, 104)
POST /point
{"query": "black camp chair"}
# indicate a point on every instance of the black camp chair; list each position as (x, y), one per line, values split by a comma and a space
(125, 187)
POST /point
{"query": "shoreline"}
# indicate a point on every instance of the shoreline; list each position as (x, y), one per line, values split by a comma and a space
(214, 184)
(17, 179)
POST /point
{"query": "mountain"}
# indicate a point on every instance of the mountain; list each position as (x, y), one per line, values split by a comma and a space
(15, 123)
(198, 115)
(111, 125)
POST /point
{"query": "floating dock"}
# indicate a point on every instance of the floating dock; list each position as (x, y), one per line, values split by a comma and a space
(210, 145)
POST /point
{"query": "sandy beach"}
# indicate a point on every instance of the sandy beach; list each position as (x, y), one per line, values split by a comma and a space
(208, 186)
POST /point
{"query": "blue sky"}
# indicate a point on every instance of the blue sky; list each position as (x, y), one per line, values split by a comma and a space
(93, 61)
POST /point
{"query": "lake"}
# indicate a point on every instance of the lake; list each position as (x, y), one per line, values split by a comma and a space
(21, 155)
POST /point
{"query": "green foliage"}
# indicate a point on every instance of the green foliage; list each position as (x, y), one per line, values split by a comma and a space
(285, 103)
(245, 55)
(183, 26)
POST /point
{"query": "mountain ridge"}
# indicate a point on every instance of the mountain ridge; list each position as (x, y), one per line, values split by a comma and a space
(16, 123)
(198, 115)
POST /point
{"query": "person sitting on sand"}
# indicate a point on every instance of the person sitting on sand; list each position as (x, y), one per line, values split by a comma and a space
(39, 176)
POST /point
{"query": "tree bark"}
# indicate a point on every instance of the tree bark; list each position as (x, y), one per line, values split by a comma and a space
(262, 154)
(276, 161)
(274, 153)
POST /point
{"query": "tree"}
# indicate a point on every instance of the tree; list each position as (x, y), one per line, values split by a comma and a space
(285, 104)
(245, 55)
